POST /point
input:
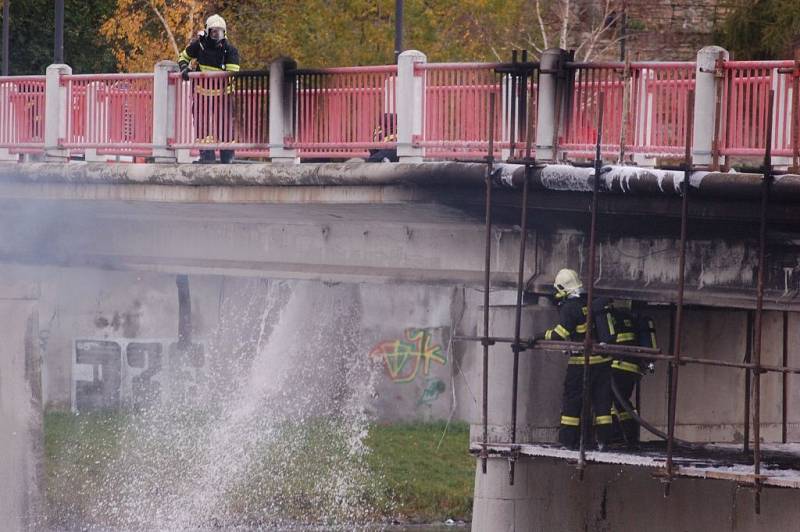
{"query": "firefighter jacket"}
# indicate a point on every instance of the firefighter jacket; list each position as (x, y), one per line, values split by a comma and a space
(211, 56)
(629, 329)
(572, 327)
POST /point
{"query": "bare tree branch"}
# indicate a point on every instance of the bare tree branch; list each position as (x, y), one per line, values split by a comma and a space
(609, 19)
(170, 35)
(565, 24)
(541, 24)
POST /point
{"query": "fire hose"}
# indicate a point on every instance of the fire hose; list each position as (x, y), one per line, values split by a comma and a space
(623, 402)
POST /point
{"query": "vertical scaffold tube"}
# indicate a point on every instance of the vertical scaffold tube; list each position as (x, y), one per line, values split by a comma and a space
(676, 342)
(516, 347)
(486, 342)
(762, 244)
(587, 343)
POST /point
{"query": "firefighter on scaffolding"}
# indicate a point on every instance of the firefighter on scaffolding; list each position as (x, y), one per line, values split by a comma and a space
(212, 103)
(633, 329)
(572, 326)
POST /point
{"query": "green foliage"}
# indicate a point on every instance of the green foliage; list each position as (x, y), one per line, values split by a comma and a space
(761, 29)
(32, 36)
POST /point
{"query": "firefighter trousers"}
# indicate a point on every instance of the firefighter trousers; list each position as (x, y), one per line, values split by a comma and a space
(572, 403)
(626, 428)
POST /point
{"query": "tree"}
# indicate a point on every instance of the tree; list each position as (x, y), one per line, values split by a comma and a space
(32, 27)
(143, 32)
(358, 32)
(589, 28)
(352, 32)
(761, 29)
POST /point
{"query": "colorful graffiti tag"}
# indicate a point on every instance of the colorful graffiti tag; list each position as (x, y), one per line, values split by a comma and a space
(407, 357)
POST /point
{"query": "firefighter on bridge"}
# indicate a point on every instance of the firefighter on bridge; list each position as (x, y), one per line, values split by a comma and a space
(213, 107)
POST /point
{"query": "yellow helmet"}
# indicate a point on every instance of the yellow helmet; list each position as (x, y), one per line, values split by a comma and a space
(567, 283)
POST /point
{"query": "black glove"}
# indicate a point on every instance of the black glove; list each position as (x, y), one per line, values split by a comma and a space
(538, 336)
(185, 73)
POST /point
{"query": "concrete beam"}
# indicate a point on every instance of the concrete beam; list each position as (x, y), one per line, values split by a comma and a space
(615, 179)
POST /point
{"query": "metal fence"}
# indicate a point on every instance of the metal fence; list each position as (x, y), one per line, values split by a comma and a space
(746, 92)
(645, 108)
(344, 112)
(222, 110)
(22, 113)
(109, 112)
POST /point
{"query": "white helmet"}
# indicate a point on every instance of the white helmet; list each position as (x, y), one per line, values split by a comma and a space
(567, 283)
(216, 21)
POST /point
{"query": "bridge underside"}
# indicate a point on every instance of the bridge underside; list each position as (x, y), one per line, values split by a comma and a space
(390, 223)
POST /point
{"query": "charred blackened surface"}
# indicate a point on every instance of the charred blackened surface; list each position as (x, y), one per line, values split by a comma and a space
(720, 271)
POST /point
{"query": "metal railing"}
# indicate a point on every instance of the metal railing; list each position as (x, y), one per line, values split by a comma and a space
(109, 112)
(746, 93)
(222, 110)
(22, 113)
(645, 108)
(456, 103)
(456, 107)
(344, 112)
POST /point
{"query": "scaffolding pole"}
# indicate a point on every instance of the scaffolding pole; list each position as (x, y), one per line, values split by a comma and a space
(587, 343)
(487, 273)
(517, 345)
(676, 354)
(762, 244)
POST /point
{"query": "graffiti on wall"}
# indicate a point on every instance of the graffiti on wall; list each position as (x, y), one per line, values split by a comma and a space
(406, 358)
(111, 374)
(434, 387)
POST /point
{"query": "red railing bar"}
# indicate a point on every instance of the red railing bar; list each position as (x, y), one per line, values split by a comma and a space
(102, 77)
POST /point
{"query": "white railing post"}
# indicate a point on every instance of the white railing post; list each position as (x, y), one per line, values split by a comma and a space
(546, 127)
(505, 114)
(164, 102)
(57, 107)
(410, 104)
(644, 117)
(8, 119)
(705, 98)
(281, 105)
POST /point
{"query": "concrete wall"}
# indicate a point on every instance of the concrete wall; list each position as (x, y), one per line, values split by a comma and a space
(710, 399)
(20, 403)
(94, 322)
(548, 497)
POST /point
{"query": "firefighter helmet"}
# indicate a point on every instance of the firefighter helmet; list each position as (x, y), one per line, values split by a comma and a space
(218, 23)
(567, 283)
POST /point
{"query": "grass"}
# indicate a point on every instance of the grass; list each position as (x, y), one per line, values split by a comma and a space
(429, 483)
(425, 481)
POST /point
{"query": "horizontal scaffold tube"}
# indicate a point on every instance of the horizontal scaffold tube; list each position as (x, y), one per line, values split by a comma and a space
(559, 177)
